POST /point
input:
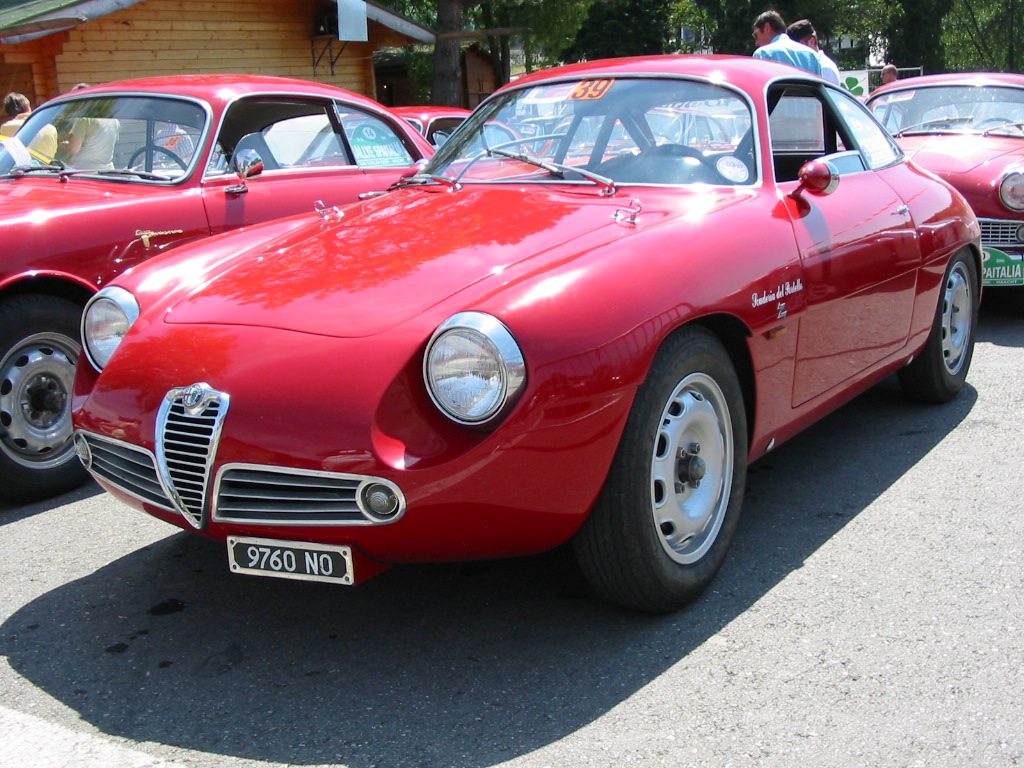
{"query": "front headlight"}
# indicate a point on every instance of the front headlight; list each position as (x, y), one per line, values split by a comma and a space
(108, 317)
(1011, 191)
(473, 368)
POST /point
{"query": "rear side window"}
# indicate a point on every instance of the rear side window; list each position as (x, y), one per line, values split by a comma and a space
(374, 143)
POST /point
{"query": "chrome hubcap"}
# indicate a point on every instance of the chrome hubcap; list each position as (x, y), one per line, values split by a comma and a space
(957, 317)
(691, 470)
(35, 409)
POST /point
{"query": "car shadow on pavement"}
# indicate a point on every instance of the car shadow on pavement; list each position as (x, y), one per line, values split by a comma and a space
(1002, 317)
(452, 666)
(10, 513)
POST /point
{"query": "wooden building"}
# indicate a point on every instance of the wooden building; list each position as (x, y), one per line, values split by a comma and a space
(47, 46)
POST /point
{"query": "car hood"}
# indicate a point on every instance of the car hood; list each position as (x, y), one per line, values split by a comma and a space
(393, 258)
(28, 194)
(962, 153)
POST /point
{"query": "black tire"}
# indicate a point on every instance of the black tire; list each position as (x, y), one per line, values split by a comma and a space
(39, 346)
(939, 372)
(667, 514)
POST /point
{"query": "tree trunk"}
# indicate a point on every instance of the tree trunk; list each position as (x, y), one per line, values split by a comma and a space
(445, 91)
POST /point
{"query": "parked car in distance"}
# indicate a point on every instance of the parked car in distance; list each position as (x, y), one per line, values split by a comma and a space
(434, 123)
(968, 128)
(164, 161)
(582, 336)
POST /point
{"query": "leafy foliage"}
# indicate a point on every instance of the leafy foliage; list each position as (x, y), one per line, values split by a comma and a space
(982, 35)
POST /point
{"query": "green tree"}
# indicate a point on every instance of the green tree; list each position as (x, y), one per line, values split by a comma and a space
(552, 25)
(981, 35)
(622, 28)
(914, 34)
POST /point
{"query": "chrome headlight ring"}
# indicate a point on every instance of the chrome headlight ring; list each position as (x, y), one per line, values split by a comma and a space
(108, 317)
(1011, 191)
(473, 369)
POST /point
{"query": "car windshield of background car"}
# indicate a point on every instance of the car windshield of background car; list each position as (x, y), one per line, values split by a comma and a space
(628, 130)
(952, 108)
(153, 136)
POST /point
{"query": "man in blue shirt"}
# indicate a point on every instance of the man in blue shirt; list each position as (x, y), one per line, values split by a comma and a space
(773, 43)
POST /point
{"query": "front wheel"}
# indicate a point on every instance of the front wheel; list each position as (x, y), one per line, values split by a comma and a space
(39, 346)
(662, 525)
(939, 372)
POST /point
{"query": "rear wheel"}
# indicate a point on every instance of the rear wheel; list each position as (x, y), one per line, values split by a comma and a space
(39, 346)
(667, 514)
(939, 372)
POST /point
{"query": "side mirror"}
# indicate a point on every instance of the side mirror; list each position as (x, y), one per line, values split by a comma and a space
(819, 177)
(247, 164)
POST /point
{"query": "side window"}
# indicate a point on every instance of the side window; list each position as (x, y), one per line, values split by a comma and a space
(287, 134)
(305, 142)
(875, 144)
(374, 143)
(796, 125)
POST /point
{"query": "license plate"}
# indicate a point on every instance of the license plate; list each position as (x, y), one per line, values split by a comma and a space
(290, 560)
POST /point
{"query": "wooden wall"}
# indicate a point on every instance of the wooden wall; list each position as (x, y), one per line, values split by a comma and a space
(162, 37)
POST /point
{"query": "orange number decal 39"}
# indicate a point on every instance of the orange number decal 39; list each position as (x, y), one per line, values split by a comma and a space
(591, 90)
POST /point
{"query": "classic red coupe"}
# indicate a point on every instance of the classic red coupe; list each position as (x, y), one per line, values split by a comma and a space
(102, 178)
(435, 123)
(581, 335)
(968, 129)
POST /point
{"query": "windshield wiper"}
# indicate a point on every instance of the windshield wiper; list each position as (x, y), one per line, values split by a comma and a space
(1001, 126)
(423, 178)
(127, 172)
(937, 121)
(557, 169)
(20, 170)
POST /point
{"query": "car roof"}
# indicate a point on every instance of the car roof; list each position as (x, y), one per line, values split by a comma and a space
(221, 88)
(745, 72)
(977, 79)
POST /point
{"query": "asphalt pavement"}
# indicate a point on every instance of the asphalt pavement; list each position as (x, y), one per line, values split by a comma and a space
(870, 614)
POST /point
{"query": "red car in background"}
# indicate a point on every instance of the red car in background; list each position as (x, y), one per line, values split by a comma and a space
(968, 128)
(434, 123)
(101, 179)
(582, 334)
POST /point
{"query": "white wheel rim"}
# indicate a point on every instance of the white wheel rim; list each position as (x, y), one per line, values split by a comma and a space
(35, 400)
(691, 468)
(957, 317)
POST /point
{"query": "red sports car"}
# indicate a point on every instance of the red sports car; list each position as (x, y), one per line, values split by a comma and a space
(435, 123)
(100, 179)
(580, 335)
(969, 130)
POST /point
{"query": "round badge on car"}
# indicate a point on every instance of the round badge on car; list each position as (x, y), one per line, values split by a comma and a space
(733, 169)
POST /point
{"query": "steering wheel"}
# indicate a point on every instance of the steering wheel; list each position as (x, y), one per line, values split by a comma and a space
(153, 150)
(677, 150)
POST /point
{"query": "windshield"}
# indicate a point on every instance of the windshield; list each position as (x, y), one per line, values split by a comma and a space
(147, 137)
(604, 132)
(952, 109)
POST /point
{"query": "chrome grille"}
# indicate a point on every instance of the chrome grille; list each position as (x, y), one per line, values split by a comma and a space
(1002, 233)
(264, 494)
(124, 466)
(188, 429)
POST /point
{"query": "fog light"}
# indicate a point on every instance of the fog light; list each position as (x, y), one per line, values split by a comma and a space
(380, 501)
(83, 450)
